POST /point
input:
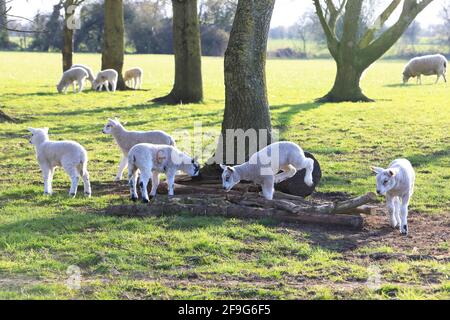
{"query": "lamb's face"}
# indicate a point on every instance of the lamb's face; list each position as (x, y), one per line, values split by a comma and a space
(59, 87)
(193, 169)
(107, 129)
(230, 178)
(38, 135)
(406, 77)
(385, 179)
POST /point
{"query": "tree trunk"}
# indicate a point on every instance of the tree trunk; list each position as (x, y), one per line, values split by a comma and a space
(188, 86)
(67, 49)
(113, 40)
(4, 37)
(246, 103)
(346, 85)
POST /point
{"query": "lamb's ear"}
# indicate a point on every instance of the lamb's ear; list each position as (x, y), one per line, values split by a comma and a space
(230, 168)
(392, 172)
(45, 130)
(376, 170)
(32, 130)
(224, 167)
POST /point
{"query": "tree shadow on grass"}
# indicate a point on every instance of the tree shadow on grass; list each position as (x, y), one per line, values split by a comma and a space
(284, 118)
(33, 94)
(421, 160)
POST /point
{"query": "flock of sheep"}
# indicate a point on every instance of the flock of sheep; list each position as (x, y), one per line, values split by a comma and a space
(153, 152)
(78, 74)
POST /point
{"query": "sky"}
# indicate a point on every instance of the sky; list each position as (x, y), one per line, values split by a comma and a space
(286, 12)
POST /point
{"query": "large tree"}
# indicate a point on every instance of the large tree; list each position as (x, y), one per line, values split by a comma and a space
(188, 86)
(246, 103)
(113, 39)
(354, 51)
(4, 38)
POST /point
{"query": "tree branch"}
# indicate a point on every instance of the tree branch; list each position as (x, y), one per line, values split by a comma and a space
(377, 48)
(332, 40)
(378, 24)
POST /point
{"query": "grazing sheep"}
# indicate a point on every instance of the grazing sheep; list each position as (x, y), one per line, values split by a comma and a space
(105, 78)
(67, 154)
(127, 139)
(263, 167)
(88, 70)
(151, 160)
(427, 65)
(134, 76)
(396, 183)
(70, 77)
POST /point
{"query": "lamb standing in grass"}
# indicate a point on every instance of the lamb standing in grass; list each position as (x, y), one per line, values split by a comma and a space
(127, 139)
(397, 184)
(67, 154)
(88, 70)
(134, 76)
(70, 77)
(427, 65)
(151, 160)
(105, 78)
(263, 167)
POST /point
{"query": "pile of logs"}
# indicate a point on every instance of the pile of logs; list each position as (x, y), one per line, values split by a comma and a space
(207, 198)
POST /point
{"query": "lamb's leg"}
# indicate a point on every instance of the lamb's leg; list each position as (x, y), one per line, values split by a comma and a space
(106, 83)
(123, 164)
(397, 219)
(46, 174)
(145, 178)
(114, 85)
(74, 177)
(132, 182)
(445, 77)
(170, 181)
(155, 184)
(267, 187)
(80, 86)
(391, 211)
(308, 164)
(404, 212)
(74, 87)
(437, 79)
(86, 184)
(288, 172)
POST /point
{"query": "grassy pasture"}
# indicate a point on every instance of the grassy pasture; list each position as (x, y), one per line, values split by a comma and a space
(192, 257)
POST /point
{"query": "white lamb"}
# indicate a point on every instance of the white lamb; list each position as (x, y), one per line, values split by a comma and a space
(134, 77)
(427, 65)
(67, 154)
(397, 184)
(127, 139)
(105, 78)
(263, 167)
(151, 160)
(88, 70)
(70, 77)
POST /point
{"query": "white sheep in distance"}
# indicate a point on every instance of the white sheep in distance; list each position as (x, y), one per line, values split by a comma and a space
(67, 154)
(70, 77)
(396, 183)
(263, 167)
(426, 65)
(151, 160)
(105, 78)
(126, 139)
(134, 76)
(88, 70)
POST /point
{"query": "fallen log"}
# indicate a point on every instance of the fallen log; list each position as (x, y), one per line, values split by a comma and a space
(235, 211)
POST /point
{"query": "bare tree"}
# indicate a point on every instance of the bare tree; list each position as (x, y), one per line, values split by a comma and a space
(355, 52)
(445, 15)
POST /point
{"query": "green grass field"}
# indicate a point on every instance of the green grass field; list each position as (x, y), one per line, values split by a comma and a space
(195, 257)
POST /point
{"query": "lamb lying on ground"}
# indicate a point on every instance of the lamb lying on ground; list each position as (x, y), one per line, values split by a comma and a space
(427, 66)
(263, 167)
(134, 76)
(67, 154)
(127, 139)
(70, 77)
(151, 160)
(106, 77)
(88, 70)
(397, 184)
